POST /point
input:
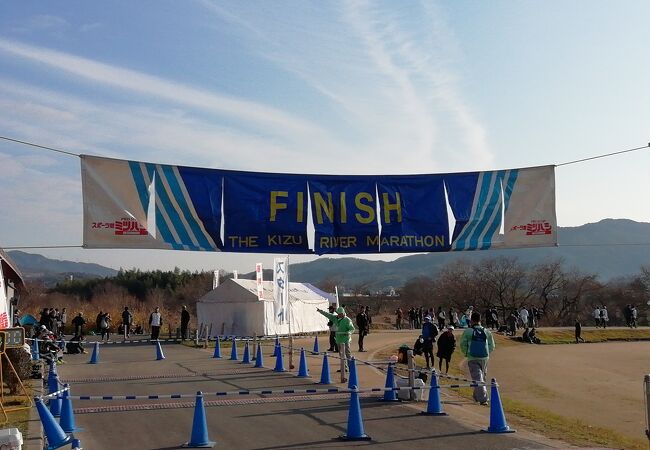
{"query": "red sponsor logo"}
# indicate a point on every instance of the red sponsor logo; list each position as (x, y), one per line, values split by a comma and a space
(126, 226)
(4, 320)
(534, 228)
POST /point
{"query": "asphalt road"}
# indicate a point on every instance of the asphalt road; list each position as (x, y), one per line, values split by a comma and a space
(244, 422)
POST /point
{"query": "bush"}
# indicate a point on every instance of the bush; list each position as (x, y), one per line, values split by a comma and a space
(22, 362)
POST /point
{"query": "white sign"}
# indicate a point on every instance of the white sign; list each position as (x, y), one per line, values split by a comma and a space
(215, 279)
(281, 289)
(259, 277)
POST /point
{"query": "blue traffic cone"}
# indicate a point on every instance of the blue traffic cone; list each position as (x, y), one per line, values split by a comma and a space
(199, 437)
(390, 395)
(434, 405)
(259, 360)
(325, 371)
(497, 416)
(233, 351)
(247, 357)
(217, 348)
(355, 430)
(55, 402)
(94, 359)
(76, 445)
(67, 421)
(52, 380)
(56, 437)
(52, 371)
(279, 361)
(159, 352)
(36, 355)
(353, 380)
(303, 371)
(316, 346)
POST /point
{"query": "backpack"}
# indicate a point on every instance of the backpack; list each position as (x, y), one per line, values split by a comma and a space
(478, 347)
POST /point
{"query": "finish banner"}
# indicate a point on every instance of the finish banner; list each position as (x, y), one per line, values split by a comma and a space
(130, 204)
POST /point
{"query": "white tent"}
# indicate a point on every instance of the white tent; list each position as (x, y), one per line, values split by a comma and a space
(233, 309)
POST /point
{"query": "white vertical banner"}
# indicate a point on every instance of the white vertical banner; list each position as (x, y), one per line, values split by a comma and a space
(259, 278)
(336, 292)
(215, 279)
(235, 274)
(4, 316)
(280, 289)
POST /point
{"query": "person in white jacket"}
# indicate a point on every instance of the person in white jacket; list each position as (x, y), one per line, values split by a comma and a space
(597, 316)
(523, 316)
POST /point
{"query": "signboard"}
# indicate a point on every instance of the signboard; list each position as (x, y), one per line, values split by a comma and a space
(14, 337)
(259, 278)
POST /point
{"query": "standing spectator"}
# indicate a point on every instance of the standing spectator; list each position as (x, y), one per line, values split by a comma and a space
(597, 316)
(627, 314)
(604, 316)
(411, 315)
(634, 314)
(185, 321)
(476, 344)
(344, 330)
(362, 325)
(495, 317)
(419, 317)
(512, 324)
(334, 347)
(105, 326)
(398, 318)
(446, 347)
(454, 318)
(578, 331)
(155, 322)
(429, 333)
(531, 318)
(98, 322)
(442, 317)
(53, 322)
(127, 321)
(45, 317)
(523, 316)
(64, 320)
(78, 322)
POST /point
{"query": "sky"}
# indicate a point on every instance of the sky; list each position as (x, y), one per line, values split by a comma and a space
(352, 87)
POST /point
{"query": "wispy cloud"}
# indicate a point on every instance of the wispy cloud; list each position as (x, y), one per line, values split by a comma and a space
(43, 23)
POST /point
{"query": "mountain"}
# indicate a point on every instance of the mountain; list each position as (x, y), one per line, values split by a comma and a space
(52, 270)
(609, 248)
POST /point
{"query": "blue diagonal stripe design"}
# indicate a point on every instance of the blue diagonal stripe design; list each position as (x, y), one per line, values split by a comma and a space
(484, 180)
(488, 211)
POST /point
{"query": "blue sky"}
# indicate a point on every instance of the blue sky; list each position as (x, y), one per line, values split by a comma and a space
(319, 87)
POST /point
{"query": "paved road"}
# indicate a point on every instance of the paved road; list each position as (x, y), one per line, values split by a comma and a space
(243, 422)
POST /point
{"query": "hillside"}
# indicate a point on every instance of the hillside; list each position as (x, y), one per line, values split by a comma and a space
(49, 270)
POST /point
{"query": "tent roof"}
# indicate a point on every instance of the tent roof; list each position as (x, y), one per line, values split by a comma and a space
(298, 292)
(10, 270)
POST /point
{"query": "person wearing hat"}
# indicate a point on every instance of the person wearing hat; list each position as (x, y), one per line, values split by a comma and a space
(334, 347)
(344, 330)
(446, 347)
(429, 333)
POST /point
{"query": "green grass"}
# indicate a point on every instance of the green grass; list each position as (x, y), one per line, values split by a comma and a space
(567, 336)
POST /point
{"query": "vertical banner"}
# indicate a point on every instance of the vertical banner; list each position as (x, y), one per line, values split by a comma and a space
(4, 316)
(280, 289)
(215, 278)
(259, 279)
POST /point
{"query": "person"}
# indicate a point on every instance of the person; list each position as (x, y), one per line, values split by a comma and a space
(105, 326)
(634, 315)
(442, 317)
(64, 321)
(334, 347)
(411, 315)
(398, 318)
(604, 316)
(78, 322)
(369, 318)
(127, 321)
(98, 321)
(185, 321)
(429, 333)
(533, 337)
(627, 315)
(597, 316)
(526, 336)
(155, 322)
(523, 316)
(454, 318)
(75, 345)
(512, 324)
(495, 317)
(344, 330)
(362, 325)
(477, 343)
(446, 347)
(578, 326)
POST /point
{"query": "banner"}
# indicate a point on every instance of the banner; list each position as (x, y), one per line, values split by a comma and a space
(130, 204)
(215, 278)
(259, 279)
(281, 289)
(4, 306)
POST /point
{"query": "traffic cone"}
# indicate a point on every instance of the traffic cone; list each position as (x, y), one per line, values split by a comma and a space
(52, 380)
(279, 361)
(159, 352)
(355, 430)
(199, 437)
(303, 371)
(76, 445)
(390, 396)
(36, 355)
(275, 348)
(217, 348)
(352, 381)
(56, 437)
(233, 351)
(325, 371)
(247, 357)
(434, 405)
(66, 421)
(259, 359)
(497, 416)
(55, 402)
(316, 346)
(94, 359)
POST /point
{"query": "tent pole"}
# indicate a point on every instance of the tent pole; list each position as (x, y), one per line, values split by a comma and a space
(289, 315)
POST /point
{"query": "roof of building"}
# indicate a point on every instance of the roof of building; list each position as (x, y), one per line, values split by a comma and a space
(10, 271)
(302, 292)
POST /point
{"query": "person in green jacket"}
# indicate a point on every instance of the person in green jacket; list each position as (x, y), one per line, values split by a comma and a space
(344, 330)
(477, 343)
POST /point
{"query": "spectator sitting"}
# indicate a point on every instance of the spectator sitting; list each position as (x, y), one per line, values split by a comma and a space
(533, 337)
(139, 329)
(75, 346)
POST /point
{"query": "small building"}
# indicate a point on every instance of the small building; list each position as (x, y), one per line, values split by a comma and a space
(233, 309)
(11, 284)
